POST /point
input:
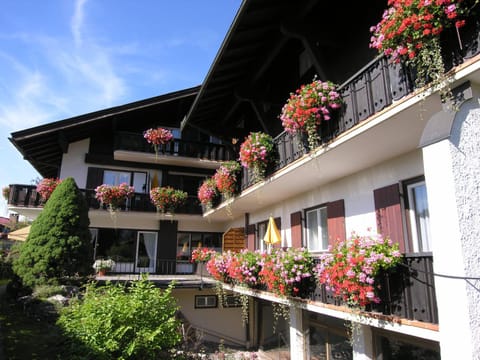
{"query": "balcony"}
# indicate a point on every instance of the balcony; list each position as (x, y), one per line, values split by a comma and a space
(26, 196)
(372, 89)
(133, 147)
(380, 102)
(408, 292)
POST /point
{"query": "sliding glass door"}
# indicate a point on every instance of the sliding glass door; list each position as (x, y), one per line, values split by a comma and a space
(146, 255)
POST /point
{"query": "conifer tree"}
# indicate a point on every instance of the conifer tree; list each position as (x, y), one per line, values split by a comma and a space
(58, 245)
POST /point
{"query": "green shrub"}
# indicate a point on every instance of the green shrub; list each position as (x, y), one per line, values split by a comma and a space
(58, 246)
(6, 271)
(119, 322)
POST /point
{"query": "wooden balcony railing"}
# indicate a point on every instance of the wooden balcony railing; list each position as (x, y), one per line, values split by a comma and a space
(136, 142)
(373, 88)
(27, 196)
(24, 196)
(407, 292)
(158, 266)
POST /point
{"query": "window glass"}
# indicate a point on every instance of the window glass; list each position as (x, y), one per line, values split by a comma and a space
(419, 216)
(329, 345)
(317, 230)
(261, 230)
(111, 177)
(205, 301)
(395, 349)
(140, 182)
(116, 244)
(183, 246)
(188, 241)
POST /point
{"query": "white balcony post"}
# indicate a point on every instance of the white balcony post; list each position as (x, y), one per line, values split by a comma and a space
(362, 342)
(298, 335)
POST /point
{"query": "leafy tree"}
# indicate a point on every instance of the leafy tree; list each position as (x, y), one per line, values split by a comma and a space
(58, 245)
(119, 322)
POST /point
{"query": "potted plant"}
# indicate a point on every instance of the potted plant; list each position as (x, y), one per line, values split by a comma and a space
(113, 196)
(46, 186)
(167, 199)
(207, 193)
(349, 270)
(102, 266)
(6, 192)
(308, 107)
(256, 154)
(158, 136)
(289, 272)
(410, 31)
(202, 254)
(226, 178)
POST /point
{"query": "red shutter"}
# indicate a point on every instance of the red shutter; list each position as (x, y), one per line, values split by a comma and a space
(336, 221)
(251, 237)
(296, 229)
(389, 214)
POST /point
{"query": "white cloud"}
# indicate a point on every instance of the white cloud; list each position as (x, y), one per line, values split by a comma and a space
(77, 21)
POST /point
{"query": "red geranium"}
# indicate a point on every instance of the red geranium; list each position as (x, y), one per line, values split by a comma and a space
(46, 186)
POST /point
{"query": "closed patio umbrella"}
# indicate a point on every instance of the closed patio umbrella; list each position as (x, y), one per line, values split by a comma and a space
(272, 235)
(20, 234)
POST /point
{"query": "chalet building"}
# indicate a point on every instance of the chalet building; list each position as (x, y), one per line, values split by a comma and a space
(394, 158)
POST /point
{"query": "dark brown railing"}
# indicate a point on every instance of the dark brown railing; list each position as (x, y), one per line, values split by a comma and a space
(407, 292)
(136, 142)
(24, 195)
(27, 196)
(159, 267)
(373, 88)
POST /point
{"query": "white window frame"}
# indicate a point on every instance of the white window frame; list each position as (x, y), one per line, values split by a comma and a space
(206, 301)
(420, 243)
(321, 214)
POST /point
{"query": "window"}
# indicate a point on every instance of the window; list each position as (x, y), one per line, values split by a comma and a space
(230, 301)
(137, 179)
(187, 241)
(418, 215)
(205, 301)
(404, 347)
(317, 229)
(261, 230)
(112, 177)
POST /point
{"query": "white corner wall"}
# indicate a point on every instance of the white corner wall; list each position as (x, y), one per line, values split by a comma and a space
(452, 173)
(73, 162)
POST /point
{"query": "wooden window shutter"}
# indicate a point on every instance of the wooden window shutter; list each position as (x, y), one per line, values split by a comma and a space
(94, 177)
(251, 237)
(388, 212)
(296, 229)
(336, 221)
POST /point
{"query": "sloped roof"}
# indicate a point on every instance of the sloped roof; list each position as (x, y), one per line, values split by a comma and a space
(44, 145)
(258, 63)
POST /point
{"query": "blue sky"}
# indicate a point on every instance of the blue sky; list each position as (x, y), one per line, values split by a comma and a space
(61, 58)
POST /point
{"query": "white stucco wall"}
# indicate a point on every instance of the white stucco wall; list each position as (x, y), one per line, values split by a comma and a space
(452, 173)
(465, 150)
(356, 190)
(221, 321)
(73, 162)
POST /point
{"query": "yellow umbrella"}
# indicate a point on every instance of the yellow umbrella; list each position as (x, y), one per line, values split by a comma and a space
(154, 181)
(20, 234)
(272, 235)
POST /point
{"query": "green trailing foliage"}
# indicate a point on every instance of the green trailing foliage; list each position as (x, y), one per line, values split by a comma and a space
(119, 322)
(58, 247)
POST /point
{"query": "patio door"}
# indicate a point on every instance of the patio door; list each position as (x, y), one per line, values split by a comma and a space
(146, 255)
